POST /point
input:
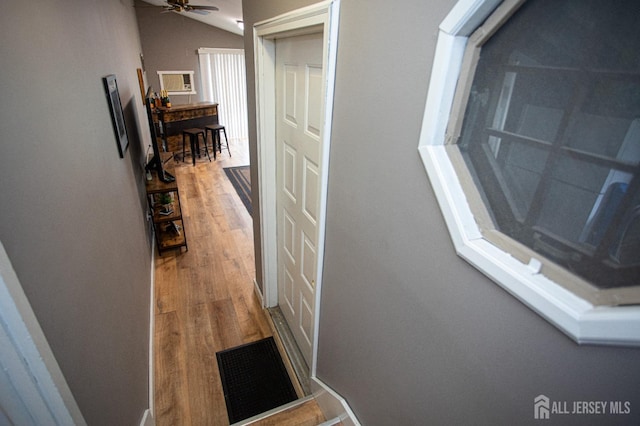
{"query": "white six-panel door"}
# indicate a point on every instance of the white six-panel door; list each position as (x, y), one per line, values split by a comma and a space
(299, 115)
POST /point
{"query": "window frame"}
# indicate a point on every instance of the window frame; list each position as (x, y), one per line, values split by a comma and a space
(503, 260)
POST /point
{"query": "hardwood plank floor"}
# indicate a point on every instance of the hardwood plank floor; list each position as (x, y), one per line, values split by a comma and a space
(204, 297)
(205, 302)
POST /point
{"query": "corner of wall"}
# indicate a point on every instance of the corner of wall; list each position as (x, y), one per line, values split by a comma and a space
(147, 419)
(331, 404)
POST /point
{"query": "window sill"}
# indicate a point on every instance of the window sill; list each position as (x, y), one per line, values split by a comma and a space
(579, 319)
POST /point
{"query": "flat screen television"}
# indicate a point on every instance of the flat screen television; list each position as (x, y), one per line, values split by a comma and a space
(156, 162)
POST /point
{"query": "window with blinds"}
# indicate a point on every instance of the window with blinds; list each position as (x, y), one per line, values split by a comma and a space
(224, 82)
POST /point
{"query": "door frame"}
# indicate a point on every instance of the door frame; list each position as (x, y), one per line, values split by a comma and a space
(320, 17)
(35, 390)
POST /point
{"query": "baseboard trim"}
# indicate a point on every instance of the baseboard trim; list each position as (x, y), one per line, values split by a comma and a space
(266, 414)
(147, 419)
(332, 405)
(295, 358)
(285, 357)
(256, 289)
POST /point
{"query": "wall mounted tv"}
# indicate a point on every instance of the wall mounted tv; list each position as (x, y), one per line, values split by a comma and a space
(156, 162)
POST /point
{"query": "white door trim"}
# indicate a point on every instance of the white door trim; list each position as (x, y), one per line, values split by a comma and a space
(319, 17)
(33, 390)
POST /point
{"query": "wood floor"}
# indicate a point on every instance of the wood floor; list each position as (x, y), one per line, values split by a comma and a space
(204, 297)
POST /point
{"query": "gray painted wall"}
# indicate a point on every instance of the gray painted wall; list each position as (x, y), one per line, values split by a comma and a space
(72, 211)
(170, 42)
(410, 334)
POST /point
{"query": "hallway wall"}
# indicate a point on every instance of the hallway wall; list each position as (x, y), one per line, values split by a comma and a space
(409, 332)
(73, 221)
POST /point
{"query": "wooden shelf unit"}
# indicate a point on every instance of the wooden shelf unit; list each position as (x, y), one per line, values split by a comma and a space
(164, 226)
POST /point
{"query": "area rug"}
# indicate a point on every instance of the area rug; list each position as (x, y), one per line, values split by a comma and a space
(241, 180)
(254, 379)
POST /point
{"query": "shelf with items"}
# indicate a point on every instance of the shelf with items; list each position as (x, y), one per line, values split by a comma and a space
(170, 235)
(166, 211)
(166, 214)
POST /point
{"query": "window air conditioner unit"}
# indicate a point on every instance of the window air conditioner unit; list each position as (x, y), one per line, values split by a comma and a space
(177, 82)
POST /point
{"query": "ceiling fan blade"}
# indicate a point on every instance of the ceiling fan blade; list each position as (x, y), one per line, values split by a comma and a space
(183, 5)
(190, 7)
(199, 12)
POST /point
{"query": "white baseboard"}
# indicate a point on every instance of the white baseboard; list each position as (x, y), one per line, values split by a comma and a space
(147, 419)
(259, 417)
(152, 327)
(332, 405)
(256, 289)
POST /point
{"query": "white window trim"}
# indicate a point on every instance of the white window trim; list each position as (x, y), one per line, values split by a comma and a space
(576, 317)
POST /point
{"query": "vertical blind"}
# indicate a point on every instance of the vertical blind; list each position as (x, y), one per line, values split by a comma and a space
(223, 82)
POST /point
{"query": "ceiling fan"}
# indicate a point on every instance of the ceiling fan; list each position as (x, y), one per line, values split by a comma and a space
(184, 6)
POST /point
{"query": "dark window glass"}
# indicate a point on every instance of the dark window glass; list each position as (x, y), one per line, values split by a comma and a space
(551, 134)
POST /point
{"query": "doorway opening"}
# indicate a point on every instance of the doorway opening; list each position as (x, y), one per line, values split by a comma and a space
(293, 151)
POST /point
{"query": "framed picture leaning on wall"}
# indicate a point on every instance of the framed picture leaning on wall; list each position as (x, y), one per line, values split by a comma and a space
(117, 116)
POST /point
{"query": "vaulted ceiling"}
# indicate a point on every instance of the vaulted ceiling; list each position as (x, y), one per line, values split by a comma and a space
(226, 18)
